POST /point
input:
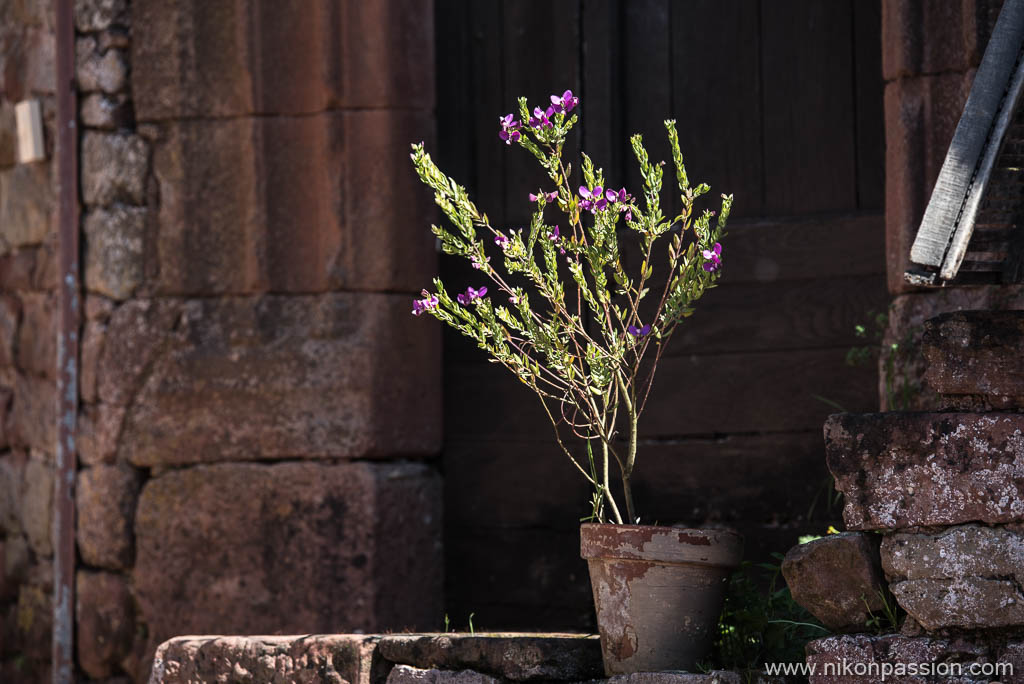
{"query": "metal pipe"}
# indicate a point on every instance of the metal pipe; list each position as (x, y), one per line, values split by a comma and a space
(67, 349)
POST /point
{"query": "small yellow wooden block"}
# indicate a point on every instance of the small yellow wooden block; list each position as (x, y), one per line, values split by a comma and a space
(30, 131)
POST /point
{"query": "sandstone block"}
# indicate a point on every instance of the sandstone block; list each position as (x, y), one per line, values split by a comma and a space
(114, 168)
(862, 658)
(222, 548)
(327, 658)
(99, 71)
(109, 112)
(114, 248)
(37, 334)
(104, 621)
(517, 657)
(26, 203)
(963, 577)
(403, 674)
(10, 317)
(899, 470)
(291, 204)
(17, 268)
(37, 504)
(93, 336)
(105, 499)
(838, 578)
(13, 565)
(202, 376)
(98, 15)
(33, 417)
(35, 622)
(192, 61)
(8, 135)
(977, 353)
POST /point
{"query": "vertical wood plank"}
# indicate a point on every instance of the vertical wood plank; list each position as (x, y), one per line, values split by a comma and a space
(808, 107)
(867, 36)
(542, 56)
(717, 97)
(646, 88)
(600, 88)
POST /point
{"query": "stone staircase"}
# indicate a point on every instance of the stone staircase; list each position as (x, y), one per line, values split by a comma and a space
(945, 490)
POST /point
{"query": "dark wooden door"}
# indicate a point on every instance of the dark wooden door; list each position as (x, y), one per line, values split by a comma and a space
(778, 102)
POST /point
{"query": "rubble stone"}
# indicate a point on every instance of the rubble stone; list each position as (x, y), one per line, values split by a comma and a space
(26, 201)
(838, 578)
(97, 15)
(964, 577)
(105, 499)
(327, 541)
(37, 504)
(114, 247)
(96, 71)
(104, 618)
(114, 168)
(33, 418)
(108, 112)
(10, 317)
(518, 657)
(37, 334)
(899, 470)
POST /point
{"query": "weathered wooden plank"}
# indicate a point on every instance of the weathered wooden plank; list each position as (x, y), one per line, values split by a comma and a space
(646, 89)
(808, 107)
(600, 88)
(948, 219)
(541, 56)
(529, 484)
(770, 391)
(869, 85)
(716, 95)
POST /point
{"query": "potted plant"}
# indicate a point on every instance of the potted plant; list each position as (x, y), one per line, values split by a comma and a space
(557, 307)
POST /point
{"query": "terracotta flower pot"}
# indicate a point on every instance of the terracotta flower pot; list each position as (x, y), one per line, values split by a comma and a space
(658, 592)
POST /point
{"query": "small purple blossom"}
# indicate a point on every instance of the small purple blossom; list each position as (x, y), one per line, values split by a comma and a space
(470, 294)
(565, 102)
(713, 258)
(553, 235)
(501, 241)
(548, 196)
(428, 302)
(477, 264)
(541, 118)
(593, 198)
(513, 299)
(639, 332)
(509, 126)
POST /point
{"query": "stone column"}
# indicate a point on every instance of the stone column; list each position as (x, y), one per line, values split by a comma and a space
(260, 411)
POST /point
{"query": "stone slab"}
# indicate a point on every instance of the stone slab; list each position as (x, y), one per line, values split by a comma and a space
(288, 548)
(900, 470)
(105, 498)
(517, 657)
(860, 659)
(104, 619)
(838, 578)
(966, 577)
(201, 60)
(977, 353)
(198, 378)
(320, 658)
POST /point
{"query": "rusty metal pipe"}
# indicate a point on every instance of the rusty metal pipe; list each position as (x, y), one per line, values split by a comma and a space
(67, 349)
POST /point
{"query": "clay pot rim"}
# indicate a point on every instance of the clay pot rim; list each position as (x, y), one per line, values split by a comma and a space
(654, 543)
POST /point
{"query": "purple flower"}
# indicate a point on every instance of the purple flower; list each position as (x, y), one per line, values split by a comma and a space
(477, 264)
(593, 199)
(470, 294)
(713, 258)
(513, 299)
(541, 118)
(508, 131)
(639, 332)
(501, 240)
(548, 196)
(428, 302)
(553, 235)
(565, 102)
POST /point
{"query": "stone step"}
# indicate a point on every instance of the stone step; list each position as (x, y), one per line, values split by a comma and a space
(868, 659)
(977, 356)
(900, 470)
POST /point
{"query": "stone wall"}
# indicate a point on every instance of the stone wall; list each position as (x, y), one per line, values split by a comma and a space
(28, 280)
(259, 413)
(930, 52)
